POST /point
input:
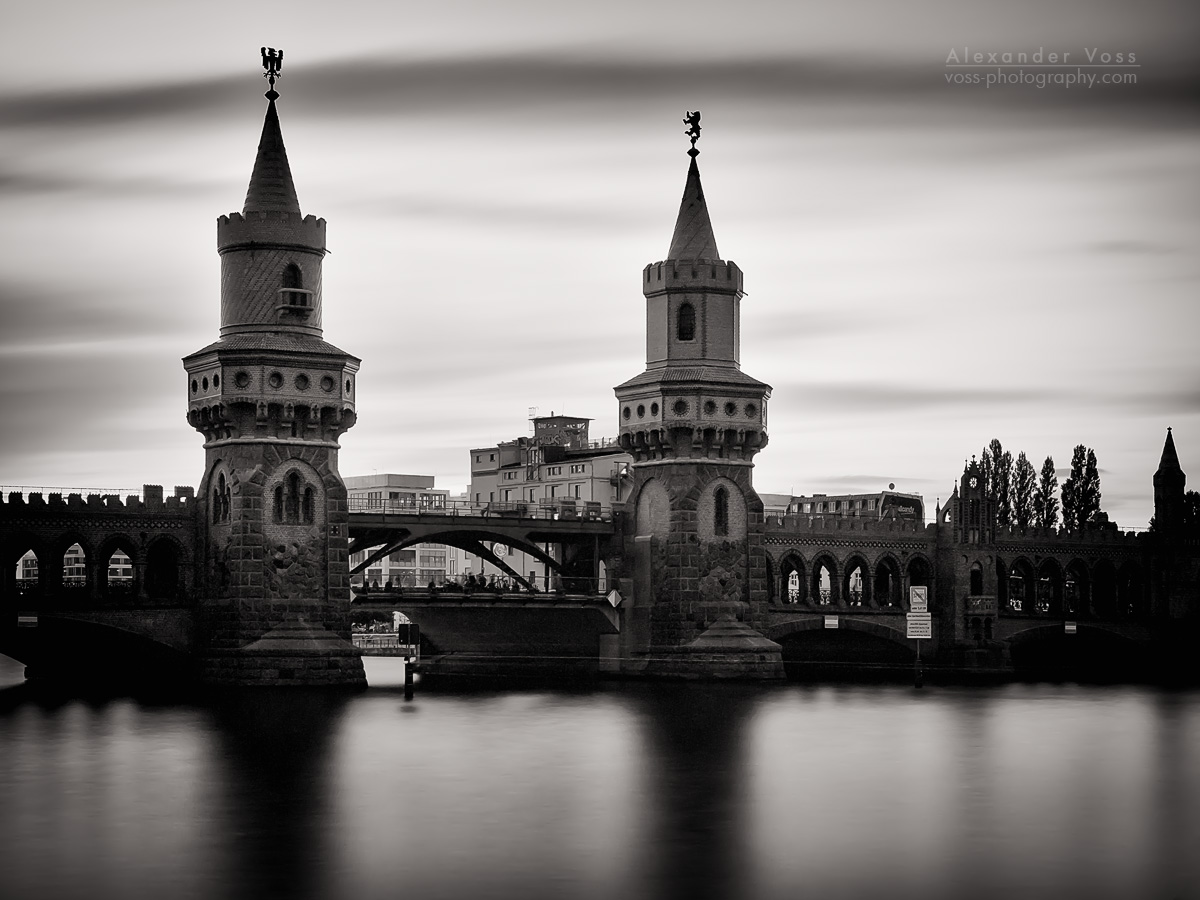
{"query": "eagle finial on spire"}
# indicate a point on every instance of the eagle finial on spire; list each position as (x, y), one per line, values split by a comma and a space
(692, 120)
(272, 61)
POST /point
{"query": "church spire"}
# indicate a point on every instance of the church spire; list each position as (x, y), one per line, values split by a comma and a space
(693, 237)
(1170, 459)
(271, 188)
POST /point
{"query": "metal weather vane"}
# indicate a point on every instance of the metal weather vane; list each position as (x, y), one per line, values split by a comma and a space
(272, 61)
(692, 120)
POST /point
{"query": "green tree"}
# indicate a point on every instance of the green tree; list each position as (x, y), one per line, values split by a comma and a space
(1045, 504)
(1081, 490)
(1024, 483)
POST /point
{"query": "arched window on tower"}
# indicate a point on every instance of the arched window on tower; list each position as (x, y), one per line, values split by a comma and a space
(686, 330)
(721, 512)
(294, 300)
(294, 501)
(220, 501)
(976, 579)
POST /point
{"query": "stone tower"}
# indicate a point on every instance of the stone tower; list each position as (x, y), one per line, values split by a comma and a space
(271, 399)
(1169, 482)
(693, 422)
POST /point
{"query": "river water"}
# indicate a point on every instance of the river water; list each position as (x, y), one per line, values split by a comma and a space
(627, 790)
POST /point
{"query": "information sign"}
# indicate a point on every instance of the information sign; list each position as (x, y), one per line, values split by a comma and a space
(831, 621)
(920, 625)
(918, 598)
(1069, 627)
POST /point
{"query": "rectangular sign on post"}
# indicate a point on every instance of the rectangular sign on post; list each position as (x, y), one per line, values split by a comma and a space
(918, 598)
(831, 621)
(920, 625)
(1069, 627)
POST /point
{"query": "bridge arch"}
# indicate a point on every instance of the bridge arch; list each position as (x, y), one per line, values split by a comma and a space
(855, 582)
(823, 582)
(1096, 650)
(166, 559)
(1131, 600)
(792, 584)
(1077, 589)
(1022, 586)
(111, 586)
(1050, 587)
(886, 583)
(16, 546)
(1104, 590)
(865, 645)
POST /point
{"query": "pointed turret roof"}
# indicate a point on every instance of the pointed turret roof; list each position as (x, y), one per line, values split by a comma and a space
(1170, 459)
(693, 237)
(271, 187)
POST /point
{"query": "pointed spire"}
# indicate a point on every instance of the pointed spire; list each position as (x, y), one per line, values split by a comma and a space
(693, 237)
(271, 187)
(1170, 459)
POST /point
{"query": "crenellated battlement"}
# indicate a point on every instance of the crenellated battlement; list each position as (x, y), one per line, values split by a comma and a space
(712, 275)
(238, 231)
(1099, 535)
(859, 524)
(21, 502)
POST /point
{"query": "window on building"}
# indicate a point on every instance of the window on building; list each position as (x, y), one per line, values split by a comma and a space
(976, 580)
(374, 499)
(721, 512)
(686, 326)
(510, 476)
(293, 503)
(491, 457)
(578, 490)
(553, 470)
(506, 496)
(578, 468)
(553, 491)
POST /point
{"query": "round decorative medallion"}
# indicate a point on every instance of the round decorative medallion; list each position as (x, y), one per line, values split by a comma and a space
(654, 409)
(204, 383)
(730, 408)
(242, 379)
(195, 386)
(710, 407)
(275, 380)
(327, 384)
(626, 412)
(216, 381)
(641, 411)
(301, 382)
(680, 407)
(751, 409)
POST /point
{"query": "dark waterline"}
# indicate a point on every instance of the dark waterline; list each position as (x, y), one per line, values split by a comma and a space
(629, 790)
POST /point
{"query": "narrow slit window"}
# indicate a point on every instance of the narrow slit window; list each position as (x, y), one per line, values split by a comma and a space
(686, 330)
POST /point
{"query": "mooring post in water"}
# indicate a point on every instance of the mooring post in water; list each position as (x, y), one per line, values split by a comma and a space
(409, 665)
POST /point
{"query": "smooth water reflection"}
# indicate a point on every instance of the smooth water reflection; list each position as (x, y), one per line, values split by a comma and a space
(631, 790)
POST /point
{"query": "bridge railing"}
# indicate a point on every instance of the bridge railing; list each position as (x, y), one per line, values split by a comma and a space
(540, 586)
(557, 509)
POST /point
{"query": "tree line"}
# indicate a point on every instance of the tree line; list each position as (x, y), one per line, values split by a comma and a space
(1025, 498)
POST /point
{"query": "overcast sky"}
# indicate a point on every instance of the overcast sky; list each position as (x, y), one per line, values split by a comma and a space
(928, 265)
